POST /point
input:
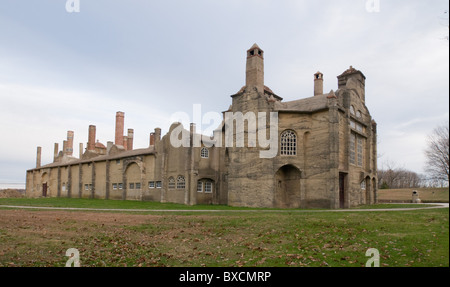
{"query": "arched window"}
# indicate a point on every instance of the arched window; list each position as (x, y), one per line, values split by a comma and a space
(352, 110)
(204, 153)
(288, 143)
(171, 183)
(181, 182)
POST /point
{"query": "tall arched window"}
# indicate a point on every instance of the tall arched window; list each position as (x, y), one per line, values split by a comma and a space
(288, 143)
(181, 183)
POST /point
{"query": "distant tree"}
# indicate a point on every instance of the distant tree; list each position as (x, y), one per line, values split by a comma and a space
(437, 153)
(396, 177)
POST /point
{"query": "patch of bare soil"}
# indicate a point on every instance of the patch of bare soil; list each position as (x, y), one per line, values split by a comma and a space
(41, 238)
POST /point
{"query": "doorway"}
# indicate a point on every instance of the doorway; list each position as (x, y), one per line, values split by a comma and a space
(44, 189)
(287, 187)
(342, 178)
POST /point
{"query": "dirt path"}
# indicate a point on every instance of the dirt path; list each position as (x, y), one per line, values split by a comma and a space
(432, 205)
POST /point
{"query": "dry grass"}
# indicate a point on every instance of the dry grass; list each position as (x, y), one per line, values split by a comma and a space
(425, 194)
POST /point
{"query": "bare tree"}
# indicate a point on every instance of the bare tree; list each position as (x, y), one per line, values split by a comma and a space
(437, 153)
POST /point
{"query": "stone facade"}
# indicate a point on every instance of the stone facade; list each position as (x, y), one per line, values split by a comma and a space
(326, 155)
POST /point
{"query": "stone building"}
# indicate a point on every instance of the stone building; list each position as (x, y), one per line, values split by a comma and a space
(325, 154)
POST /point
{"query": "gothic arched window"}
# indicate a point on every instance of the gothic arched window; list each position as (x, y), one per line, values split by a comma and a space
(181, 183)
(171, 183)
(204, 153)
(288, 143)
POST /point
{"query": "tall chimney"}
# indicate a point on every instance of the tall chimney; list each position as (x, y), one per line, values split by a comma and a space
(81, 150)
(69, 146)
(38, 157)
(318, 84)
(119, 128)
(130, 139)
(55, 152)
(91, 138)
(125, 142)
(64, 147)
(157, 135)
(254, 72)
(152, 139)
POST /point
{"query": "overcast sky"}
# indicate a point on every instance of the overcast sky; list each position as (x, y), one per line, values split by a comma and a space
(63, 71)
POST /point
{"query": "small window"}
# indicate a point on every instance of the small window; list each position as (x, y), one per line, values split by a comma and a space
(158, 184)
(137, 185)
(171, 183)
(181, 182)
(359, 128)
(352, 110)
(131, 185)
(117, 161)
(204, 153)
(63, 187)
(352, 124)
(358, 114)
(151, 184)
(199, 186)
(208, 186)
(120, 185)
(86, 187)
(363, 184)
(114, 185)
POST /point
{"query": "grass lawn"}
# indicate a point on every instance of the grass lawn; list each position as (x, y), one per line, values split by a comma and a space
(40, 238)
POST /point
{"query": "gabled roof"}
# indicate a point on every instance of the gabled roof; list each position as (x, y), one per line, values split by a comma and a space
(307, 105)
(74, 161)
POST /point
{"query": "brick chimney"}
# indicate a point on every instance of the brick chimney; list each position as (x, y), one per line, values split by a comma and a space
(125, 142)
(152, 139)
(91, 138)
(130, 139)
(120, 117)
(69, 144)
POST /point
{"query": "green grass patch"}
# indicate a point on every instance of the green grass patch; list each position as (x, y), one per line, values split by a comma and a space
(403, 238)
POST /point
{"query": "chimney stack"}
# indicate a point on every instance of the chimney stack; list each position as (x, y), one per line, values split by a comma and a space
(119, 128)
(157, 135)
(64, 147)
(318, 84)
(125, 142)
(81, 150)
(69, 145)
(38, 157)
(130, 139)
(152, 139)
(55, 152)
(254, 73)
(91, 138)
